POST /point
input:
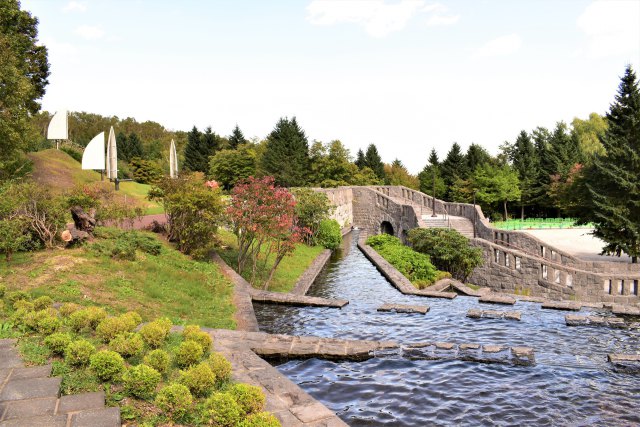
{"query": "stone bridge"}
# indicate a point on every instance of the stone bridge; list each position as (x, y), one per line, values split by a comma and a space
(514, 262)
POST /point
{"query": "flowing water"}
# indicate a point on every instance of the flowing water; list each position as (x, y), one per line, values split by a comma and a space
(571, 383)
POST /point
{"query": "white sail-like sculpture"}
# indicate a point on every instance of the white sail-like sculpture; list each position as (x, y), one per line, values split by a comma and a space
(93, 156)
(173, 160)
(58, 127)
(112, 156)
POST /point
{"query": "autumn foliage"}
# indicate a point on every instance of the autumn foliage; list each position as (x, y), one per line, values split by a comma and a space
(264, 221)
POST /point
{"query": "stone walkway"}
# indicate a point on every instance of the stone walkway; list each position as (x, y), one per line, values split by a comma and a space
(492, 314)
(30, 397)
(296, 300)
(612, 322)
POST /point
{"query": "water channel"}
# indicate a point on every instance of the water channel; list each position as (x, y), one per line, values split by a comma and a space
(571, 383)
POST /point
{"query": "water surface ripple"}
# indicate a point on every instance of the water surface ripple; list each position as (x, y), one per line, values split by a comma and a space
(571, 384)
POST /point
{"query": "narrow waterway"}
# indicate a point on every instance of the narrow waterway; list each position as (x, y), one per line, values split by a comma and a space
(571, 383)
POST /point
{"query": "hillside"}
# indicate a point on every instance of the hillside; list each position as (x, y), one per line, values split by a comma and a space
(60, 172)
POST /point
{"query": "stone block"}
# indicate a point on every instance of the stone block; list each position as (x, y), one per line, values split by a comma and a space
(401, 308)
(29, 408)
(42, 421)
(32, 372)
(493, 348)
(107, 417)
(562, 305)
(497, 299)
(31, 388)
(81, 402)
(312, 412)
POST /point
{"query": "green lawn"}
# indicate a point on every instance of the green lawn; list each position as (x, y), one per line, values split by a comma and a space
(289, 270)
(170, 284)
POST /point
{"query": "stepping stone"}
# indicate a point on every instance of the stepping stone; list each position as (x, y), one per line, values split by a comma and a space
(493, 348)
(44, 421)
(562, 305)
(400, 308)
(433, 294)
(625, 309)
(492, 314)
(32, 372)
(522, 356)
(9, 358)
(296, 300)
(625, 362)
(497, 299)
(81, 402)
(31, 388)
(29, 408)
(575, 320)
(107, 417)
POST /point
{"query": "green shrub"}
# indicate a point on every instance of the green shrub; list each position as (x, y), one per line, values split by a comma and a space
(174, 400)
(20, 315)
(14, 296)
(413, 265)
(87, 318)
(3, 290)
(158, 360)
(58, 342)
(201, 337)
(200, 379)
(448, 250)
(155, 333)
(78, 352)
(329, 234)
(47, 321)
(95, 315)
(42, 302)
(67, 309)
(223, 410)
(107, 365)
(250, 398)
(128, 344)
(260, 419)
(141, 381)
(188, 353)
(220, 366)
(132, 319)
(24, 304)
(111, 327)
(311, 208)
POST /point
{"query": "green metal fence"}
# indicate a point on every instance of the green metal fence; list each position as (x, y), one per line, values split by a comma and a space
(538, 224)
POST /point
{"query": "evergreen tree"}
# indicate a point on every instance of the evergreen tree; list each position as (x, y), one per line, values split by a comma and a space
(193, 155)
(430, 172)
(360, 161)
(236, 138)
(286, 157)
(612, 179)
(541, 139)
(129, 147)
(453, 167)
(373, 161)
(476, 156)
(525, 161)
(563, 152)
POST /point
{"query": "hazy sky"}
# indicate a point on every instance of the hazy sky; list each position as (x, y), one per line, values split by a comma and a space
(407, 75)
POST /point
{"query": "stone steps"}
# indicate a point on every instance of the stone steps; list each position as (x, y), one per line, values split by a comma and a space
(30, 397)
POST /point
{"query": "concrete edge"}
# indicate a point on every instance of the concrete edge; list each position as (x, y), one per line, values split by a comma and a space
(310, 275)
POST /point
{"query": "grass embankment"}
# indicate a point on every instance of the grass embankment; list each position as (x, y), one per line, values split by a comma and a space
(169, 284)
(61, 172)
(289, 270)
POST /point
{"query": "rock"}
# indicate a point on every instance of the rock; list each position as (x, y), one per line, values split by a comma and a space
(400, 308)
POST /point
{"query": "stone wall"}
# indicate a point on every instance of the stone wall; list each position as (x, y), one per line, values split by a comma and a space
(342, 199)
(371, 208)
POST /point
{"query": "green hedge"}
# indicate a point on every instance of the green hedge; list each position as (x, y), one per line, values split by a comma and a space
(414, 266)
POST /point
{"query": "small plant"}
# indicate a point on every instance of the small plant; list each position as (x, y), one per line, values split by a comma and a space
(132, 319)
(199, 379)
(188, 353)
(329, 234)
(201, 337)
(78, 352)
(14, 296)
(260, 419)
(250, 398)
(87, 318)
(107, 365)
(111, 327)
(158, 360)
(154, 334)
(128, 344)
(95, 315)
(44, 321)
(141, 381)
(3, 289)
(42, 302)
(24, 304)
(220, 366)
(223, 410)
(174, 400)
(58, 342)
(67, 309)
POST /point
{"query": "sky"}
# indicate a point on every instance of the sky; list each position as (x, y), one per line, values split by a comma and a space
(406, 75)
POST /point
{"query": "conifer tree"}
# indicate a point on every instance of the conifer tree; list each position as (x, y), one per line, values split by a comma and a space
(373, 161)
(613, 178)
(193, 156)
(430, 172)
(453, 167)
(360, 162)
(286, 156)
(525, 161)
(476, 156)
(236, 138)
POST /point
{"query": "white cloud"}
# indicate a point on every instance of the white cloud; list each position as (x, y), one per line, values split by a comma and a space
(75, 6)
(376, 16)
(612, 27)
(440, 15)
(89, 32)
(501, 46)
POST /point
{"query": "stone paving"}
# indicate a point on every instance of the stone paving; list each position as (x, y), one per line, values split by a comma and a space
(296, 300)
(494, 298)
(576, 320)
(30, 397)
(402, 308)
(625, 309)
(471, 352)
(493, 314)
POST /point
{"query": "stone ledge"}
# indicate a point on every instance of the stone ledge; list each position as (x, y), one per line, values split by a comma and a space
(625, 310)
(296, 300)
(311, 274)
(629, 363)
(562, 305)
(401, 308)
(493, 298)
(471, 352)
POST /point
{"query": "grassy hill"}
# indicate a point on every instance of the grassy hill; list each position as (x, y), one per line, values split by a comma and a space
(61, 172)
